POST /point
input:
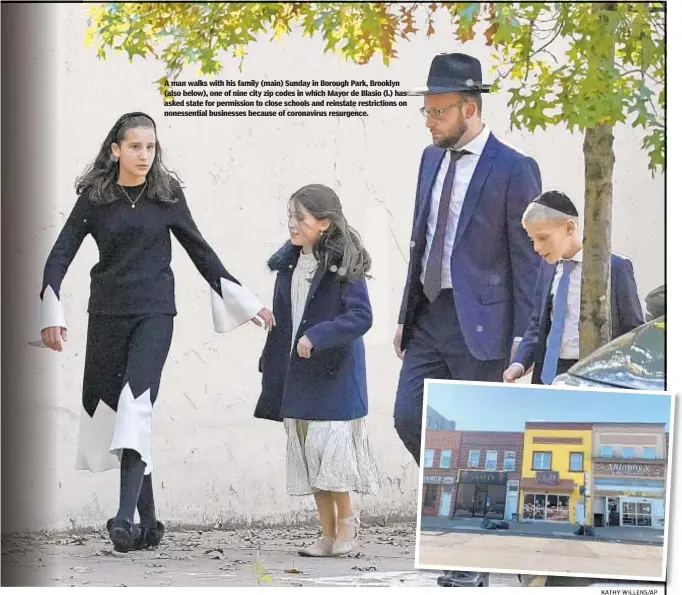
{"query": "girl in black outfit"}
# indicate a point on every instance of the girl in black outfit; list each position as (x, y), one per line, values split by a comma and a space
(130, 203)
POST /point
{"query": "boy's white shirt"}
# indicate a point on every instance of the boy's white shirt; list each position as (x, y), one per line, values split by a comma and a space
(570, 337)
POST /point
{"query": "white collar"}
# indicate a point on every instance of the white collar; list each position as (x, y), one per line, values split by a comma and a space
(577, 257)
(477, 144)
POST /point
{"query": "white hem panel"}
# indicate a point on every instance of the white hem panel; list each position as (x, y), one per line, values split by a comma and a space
(133, 428)
(94, 438)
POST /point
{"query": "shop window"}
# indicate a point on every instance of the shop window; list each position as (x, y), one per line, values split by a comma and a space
(636, 514)
(430, 494)
(546, 507)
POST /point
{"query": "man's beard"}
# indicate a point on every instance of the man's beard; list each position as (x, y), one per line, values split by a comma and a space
(448, 142)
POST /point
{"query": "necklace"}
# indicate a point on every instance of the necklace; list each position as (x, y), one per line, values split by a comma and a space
(132, 202)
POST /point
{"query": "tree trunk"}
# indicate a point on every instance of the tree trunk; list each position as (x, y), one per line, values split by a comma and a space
(595, 294)
(595, 290)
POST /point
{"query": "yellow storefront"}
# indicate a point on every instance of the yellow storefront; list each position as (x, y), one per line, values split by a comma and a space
(557, 464)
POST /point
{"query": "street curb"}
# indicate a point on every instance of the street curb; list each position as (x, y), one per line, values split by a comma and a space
(507, 533)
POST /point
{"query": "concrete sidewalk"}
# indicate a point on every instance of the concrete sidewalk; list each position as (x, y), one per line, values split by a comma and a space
(632, 535)
(194, 558)
(541, 555)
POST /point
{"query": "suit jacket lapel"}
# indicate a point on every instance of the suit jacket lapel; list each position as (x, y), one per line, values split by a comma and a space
(430, 174)
(545, 320)
(485, 164)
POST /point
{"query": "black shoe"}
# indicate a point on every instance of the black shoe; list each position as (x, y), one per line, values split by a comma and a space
(154, 536)
(459, 578)
(149, 537)
(122, 534)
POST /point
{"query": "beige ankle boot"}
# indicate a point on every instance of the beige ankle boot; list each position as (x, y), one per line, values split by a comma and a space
(320, 549)
(345, 547)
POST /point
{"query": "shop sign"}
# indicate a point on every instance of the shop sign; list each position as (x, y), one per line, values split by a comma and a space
(629, 469)
(548, 478)
(439, 479)
(489, 477)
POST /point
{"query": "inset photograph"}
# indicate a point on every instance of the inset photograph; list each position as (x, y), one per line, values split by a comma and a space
(544, 480)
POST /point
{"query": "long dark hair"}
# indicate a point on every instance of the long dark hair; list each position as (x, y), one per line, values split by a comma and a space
(339, 245)
(100, 177)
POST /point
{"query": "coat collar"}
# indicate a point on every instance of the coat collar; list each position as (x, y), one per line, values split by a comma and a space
(285, 258)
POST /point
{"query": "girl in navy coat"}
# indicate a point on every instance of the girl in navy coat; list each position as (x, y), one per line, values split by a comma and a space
(313, 364)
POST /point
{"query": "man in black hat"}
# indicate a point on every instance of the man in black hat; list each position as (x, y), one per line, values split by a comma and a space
(472, 268)
(551, 343)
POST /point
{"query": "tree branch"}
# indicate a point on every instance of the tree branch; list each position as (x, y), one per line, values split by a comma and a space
(556, 34)
(530, 45)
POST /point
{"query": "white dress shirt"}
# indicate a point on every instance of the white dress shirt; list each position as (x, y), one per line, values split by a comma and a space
(464, 171)
(570, 337)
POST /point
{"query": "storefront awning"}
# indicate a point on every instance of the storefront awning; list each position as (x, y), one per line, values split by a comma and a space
(530, 483)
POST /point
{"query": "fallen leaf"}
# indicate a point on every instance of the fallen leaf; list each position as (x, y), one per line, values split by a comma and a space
(294, 571)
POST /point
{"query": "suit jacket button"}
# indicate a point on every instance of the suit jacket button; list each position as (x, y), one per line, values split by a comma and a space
(479, 328)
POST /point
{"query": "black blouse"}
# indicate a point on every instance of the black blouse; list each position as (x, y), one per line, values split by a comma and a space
(133, 275)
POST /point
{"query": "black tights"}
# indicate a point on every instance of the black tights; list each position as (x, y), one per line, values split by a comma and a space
(136, 490)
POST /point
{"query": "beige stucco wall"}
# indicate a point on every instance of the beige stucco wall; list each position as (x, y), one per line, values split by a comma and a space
(215, 462)
(637, 436)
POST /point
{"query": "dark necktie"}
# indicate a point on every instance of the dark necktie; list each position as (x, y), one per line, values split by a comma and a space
(549, 367)
(434, 264)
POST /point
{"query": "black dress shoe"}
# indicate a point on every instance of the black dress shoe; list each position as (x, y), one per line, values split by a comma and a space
(123, 534)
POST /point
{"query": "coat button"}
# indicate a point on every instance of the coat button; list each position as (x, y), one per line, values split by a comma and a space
(305, 320)
(479, 328)
(291, 266)
(413, 244)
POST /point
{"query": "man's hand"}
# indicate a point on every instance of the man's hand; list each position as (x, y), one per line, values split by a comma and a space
(397, 340)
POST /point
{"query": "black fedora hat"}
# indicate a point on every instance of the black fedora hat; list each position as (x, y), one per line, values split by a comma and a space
(452, 73)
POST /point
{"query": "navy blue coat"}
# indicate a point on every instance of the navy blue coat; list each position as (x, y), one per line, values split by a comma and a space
(493, 264)
(626, 312)
(331, 385)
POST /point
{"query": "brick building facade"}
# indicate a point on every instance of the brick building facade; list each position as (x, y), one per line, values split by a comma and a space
(471, 473)
(441, 452)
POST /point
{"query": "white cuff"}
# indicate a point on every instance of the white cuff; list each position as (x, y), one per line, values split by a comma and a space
(237, 306)
(51, 314)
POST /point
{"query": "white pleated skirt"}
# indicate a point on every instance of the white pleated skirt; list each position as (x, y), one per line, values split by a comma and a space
(332, 456)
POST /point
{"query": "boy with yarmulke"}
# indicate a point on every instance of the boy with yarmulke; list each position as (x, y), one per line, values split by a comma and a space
(551, 343)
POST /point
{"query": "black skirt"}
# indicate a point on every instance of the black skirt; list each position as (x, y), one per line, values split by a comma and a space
(124, 360)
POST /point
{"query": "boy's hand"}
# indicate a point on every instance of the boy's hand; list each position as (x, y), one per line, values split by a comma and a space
(513, 372)
(304, 347)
